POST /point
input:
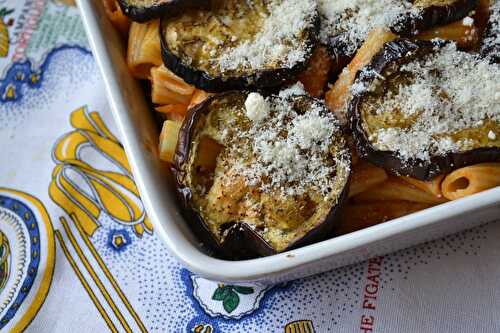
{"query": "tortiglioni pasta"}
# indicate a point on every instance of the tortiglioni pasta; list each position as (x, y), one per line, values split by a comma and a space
(315, 77)
(337, 97)
(365, 176)
(198, 97)
(363, 215)
(431, 186)
(116, 16)
(179, 109)
(168, 139)
(464, 34)
(167, 88)
(396, 189)
(470, 180)
(144, 49)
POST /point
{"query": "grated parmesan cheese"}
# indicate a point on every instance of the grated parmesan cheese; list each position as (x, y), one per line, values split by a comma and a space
(291, 149)
(451, 91)
(349, 21)
(491, 42)
(256, 107)
(295, 90)
(468, 21)
(279, 42)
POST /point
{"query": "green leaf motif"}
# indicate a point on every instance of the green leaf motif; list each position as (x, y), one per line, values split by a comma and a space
(231, 302)
(4, 11)
(244, 290)
(228, 294)
(221, 293)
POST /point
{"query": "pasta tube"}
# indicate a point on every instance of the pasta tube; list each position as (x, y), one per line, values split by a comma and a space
(337, 97)
(168, 88)
(396, 189)
(198, 97)
(172, 108)
(465, 35)
(168, 140)
(431, 186)
(359, 216)
(144, 49)
(315, 76)
(470, 180)
(365, 176)
(116, 16)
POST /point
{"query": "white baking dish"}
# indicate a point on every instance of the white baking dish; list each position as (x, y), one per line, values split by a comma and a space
(139, 136)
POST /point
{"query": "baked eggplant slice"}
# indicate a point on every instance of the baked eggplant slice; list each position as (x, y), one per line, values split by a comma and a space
(240, 44)
(145, 10)
(424, 108)
(346, 23)
(490, 46)
(258, 176)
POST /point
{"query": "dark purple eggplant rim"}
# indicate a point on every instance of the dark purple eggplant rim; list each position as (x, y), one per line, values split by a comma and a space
(432, 16)
(389, 160)
(409, 26)
(262, 79)
(491, 52)
(168, 7)
(241, 242)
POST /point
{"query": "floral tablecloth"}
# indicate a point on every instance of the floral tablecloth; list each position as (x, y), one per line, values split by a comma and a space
(78, 253)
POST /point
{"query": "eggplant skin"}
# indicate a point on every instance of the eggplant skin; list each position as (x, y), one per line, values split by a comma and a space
(490, 48)
(432, 16)
(263, 79)
(407, 26)
(341, 58)
(145, 13)
(415, 168)
(241, 241)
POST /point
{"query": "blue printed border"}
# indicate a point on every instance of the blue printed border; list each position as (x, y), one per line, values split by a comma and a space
(22, 74)
(26, 215)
